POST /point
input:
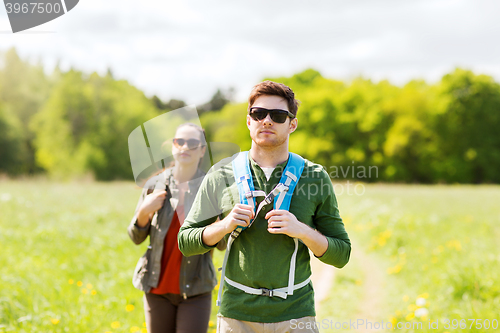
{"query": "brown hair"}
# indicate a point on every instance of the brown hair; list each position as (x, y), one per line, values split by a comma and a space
(274, 89)
(203, 138)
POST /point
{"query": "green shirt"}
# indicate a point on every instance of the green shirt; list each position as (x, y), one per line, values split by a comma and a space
(259, 259)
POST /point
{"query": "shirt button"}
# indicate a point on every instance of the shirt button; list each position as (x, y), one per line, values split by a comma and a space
(187, 286)
(189, 261)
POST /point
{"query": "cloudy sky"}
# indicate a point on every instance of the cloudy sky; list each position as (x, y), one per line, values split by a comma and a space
(188, 49)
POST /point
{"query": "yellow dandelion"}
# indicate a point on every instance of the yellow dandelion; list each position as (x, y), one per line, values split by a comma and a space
(93, 292)
(85, 291)
(211, 324)
(144, 324)
(382, 241)
(89, 286)
(71, 281)
(434, 260)
(134, 329)
(393, 321)
(396, 269)
(79, 283)
(216, 287)
(410, 316)
(54, 321)
(386, 234)
(143, 330)
(406, 298)
(129, 307)
(115, 324)
(424, 295)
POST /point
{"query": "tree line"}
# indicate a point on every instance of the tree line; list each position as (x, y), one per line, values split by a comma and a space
(71, 123)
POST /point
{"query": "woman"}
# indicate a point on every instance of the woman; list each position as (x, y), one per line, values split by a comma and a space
(177, 289)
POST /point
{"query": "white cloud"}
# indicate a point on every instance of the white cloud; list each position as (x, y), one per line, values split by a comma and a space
(187, 49)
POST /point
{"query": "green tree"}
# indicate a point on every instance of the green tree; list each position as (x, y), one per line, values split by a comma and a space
(468, 118)
(12, 150)
(85, 124)
(24, 88)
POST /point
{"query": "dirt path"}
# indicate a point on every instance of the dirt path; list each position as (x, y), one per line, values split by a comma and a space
(323, 277)
(373, 290)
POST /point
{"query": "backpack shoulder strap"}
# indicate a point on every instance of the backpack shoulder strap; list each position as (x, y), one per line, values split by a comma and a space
(290, 178)
(243, 178)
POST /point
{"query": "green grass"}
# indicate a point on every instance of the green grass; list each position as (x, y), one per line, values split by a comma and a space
(439, 242)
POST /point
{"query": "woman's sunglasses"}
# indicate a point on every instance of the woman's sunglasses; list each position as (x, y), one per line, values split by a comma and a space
(191, 143)
(277, 115)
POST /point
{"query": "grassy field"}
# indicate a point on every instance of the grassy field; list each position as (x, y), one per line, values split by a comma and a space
(420, 253)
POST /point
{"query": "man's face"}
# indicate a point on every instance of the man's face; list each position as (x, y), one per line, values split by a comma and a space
(266, 132)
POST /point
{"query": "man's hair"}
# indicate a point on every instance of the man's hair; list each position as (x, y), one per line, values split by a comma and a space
(274, 89)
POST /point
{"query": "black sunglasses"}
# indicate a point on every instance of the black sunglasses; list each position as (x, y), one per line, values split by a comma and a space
(191, 143)
(277, 115)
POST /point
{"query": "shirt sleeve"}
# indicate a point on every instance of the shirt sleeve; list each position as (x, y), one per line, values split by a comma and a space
(203, 212)
(136, 233)
(329, 223)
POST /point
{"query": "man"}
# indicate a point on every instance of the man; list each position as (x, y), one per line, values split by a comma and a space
(261, 256)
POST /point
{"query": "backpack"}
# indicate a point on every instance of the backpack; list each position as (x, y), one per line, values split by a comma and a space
(281, 197)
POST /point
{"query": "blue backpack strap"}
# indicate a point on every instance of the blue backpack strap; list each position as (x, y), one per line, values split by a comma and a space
(244, 181)
(282, 194)
(289, 178)
(243, 177)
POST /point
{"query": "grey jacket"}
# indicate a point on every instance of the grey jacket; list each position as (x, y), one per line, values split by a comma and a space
(197, 275)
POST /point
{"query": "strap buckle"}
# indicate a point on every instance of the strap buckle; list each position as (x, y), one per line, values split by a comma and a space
(267, 292)
(235, 233)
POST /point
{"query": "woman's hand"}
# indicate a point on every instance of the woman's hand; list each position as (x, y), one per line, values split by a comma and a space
(151, 204)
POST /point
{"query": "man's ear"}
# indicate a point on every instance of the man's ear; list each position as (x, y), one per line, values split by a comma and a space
(249, 119)
(293, 125)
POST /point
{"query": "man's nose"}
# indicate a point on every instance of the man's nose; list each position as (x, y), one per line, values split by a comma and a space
(268, 119)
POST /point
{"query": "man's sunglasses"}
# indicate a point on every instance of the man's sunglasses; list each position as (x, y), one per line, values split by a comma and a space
(191, 143)
(277, 115)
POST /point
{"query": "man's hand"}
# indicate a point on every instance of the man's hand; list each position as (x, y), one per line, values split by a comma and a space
(283, 222)
(152, 203)
(239, 216)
